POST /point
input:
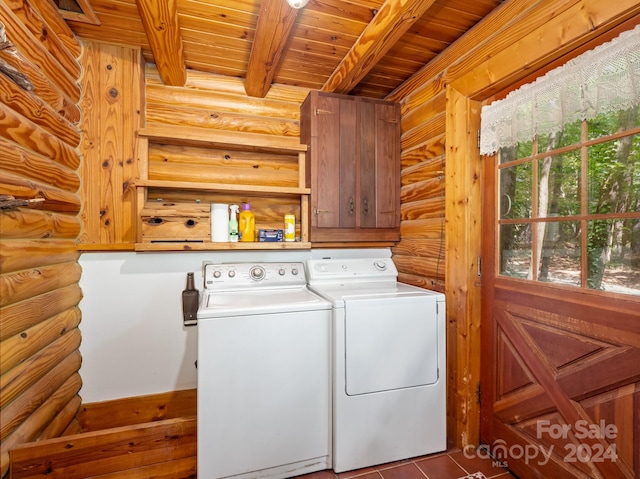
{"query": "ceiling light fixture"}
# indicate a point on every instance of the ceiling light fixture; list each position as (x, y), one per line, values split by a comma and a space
(297, 3)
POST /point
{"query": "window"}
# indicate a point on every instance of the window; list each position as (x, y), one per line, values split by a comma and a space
(568, 153)
(570, 203)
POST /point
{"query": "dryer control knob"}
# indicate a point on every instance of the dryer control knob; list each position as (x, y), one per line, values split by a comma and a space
(232, 273)
(381, 265)
(294, 271)
(217, 274)
(281, 271)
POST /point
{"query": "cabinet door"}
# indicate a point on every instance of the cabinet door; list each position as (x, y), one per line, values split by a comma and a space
(353, 166)
(325, 147)
(379, 165)
(334, 165)
(348, 163)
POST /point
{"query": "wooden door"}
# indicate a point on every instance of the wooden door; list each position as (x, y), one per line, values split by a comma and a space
(560, 385)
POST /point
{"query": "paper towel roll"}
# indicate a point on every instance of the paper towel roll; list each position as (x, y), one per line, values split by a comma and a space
(219, 222)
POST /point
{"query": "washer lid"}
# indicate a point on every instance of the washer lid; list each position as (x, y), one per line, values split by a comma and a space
(259, 301)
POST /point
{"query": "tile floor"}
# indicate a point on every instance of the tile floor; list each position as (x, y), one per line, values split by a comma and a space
(450, 465)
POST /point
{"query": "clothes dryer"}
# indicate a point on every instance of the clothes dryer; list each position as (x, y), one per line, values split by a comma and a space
(389, 387)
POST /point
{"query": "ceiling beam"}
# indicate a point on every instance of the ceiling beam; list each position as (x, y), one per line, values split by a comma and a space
(160, 21)
(393, 19)
(275, 22)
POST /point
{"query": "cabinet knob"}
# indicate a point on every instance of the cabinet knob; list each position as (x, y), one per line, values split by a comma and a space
(323, 112)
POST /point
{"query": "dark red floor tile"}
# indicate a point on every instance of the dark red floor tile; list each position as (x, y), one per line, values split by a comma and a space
(472, 462)
(440, 467)
(326, 474)
(405, 471)
(389, 465)
(366, 473)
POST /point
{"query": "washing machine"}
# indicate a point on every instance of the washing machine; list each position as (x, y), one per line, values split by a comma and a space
(264, 399)
(388, 351)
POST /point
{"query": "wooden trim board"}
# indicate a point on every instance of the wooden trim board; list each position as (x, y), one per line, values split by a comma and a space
(145, 436)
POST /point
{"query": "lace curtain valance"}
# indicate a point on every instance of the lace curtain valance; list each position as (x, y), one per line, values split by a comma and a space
(603, 80)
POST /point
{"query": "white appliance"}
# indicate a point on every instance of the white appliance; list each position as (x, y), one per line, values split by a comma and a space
(389, 391)
(263, 373)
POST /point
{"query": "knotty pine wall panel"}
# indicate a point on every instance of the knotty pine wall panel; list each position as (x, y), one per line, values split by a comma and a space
(184, 163)
(219, 102)
(112, 106)
(39, 270)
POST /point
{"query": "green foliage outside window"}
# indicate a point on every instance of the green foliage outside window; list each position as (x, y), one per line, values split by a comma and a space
(578, 189)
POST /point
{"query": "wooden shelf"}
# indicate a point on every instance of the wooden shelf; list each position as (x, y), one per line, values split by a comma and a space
(207, 246)
(221, 187)
(175, 227)
(88, 247)
(228, 140)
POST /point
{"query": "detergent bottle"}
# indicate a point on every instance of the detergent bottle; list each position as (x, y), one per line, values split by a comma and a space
(233, 224)
(247, 223)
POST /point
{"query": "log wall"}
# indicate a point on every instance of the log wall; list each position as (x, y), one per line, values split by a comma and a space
(441, 201)
(39, 271)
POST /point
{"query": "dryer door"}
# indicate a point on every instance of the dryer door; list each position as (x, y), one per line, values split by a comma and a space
(390, 343)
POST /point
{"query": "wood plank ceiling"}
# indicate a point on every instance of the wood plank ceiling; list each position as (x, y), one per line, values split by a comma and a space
(361, 47)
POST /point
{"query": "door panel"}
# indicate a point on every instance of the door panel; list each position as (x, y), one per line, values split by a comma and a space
(387, 200)
(327, 206)
(348, 163)
(368, 173)
(561, 373)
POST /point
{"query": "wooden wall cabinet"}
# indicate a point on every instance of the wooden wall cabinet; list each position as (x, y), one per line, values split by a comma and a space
(353, 167)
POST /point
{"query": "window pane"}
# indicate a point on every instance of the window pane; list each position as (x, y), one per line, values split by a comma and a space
(515, 191)
(570, 135)
(560, 254)
(559, 182)
(614, 176)
(521, 150)
(608, 123)
(515, 250)
(614, 255)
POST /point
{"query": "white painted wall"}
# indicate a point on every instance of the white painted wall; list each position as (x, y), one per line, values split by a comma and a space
(133, 339)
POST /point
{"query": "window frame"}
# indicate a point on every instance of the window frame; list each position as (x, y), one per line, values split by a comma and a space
(584, 217)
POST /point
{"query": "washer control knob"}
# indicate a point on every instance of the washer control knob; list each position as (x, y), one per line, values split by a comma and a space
(217, 274)
(294, 271)
(257, 273)
(281, 271)
(380, 265)
(232, 274)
